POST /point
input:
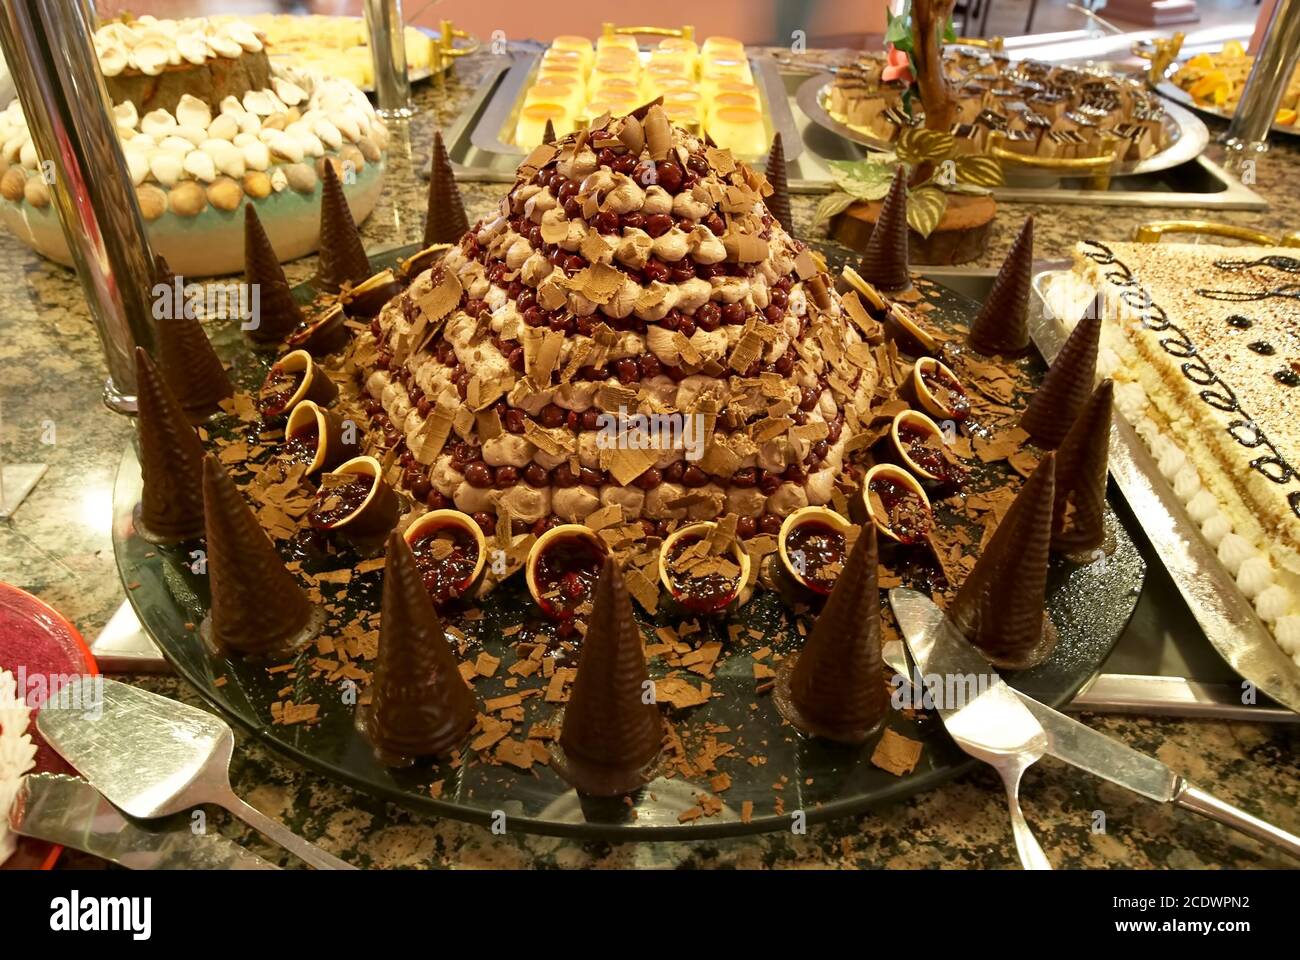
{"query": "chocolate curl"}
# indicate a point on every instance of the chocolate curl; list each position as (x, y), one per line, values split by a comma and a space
(1058, 400)
(1079, 512)
(171, 460)
(342, 255)
(445, 220)
(778, 204)
(611, 731)
(835, 687)
(420, 705)
(884, 262)
(257, 605)
(1001, 608)
(1002, 325)
(190, 366)
(278, 314)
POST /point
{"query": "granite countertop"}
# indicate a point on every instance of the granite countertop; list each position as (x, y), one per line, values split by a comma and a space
(58, 547)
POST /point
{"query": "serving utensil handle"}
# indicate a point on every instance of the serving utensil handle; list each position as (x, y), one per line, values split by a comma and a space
(1027, 846)
(1194, 798)
(274, 830)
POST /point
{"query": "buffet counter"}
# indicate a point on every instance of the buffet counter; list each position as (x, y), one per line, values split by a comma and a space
(58, 547)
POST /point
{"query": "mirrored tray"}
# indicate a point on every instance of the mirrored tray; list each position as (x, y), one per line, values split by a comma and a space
(1187, 132)
(1172, 91)
(769, 766)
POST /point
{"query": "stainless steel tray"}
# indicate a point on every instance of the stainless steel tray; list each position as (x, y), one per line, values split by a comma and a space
(1187, 132)
(1226, 616)
(493, 132)
(1172, 91)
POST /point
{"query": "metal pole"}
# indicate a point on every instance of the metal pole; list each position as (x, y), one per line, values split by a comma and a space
(1248, 132)
(48, 47)
(388, 50)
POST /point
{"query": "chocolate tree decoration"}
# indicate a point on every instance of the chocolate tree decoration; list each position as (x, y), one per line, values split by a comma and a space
(884, 262)
(778, 204)
(548, 132)
(1002, 325)
(1066, 387)
(420, 705)
(1079, 514)
(612, 730)
(929, 18)
(1001, 606)
(835, 687)
(342, 256)
(278, 314)
(257, 605)
(171, 461)
(190, 366)
(445, 221)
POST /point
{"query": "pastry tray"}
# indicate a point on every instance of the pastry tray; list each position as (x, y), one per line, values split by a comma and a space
(1223, 613)
(1172, 91)
(494, 131)
(1187, 132)
(1200, 183)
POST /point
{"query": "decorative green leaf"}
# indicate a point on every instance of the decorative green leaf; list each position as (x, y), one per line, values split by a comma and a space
(969, 189)
(925, 207)
(978, 169)
(949, 34)
(866, 179)
(918, 145)
(832, 204)
(899, 30)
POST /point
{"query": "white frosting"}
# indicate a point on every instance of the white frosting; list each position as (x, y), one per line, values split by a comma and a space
(1255, 575)
(1287, 631)
(17, 753)
(150, 45)
(1234, 550)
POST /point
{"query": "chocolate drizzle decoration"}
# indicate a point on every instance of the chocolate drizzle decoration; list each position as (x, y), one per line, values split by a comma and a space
(1276, 261)
(1178, 344)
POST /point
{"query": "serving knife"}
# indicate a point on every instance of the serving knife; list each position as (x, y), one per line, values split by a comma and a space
(70, 812)
(1074, 742)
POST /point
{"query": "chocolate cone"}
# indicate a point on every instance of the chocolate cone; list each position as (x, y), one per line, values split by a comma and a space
(342, 255)
(548, 133)
(257, 605)
(445, 221)
(420, 705)
(610, 733)
(1001, 608)
(835, 687)
(278, 314)
(189, 364)
(1079, 514)
(1058, 400)
(1002, 325)
(778, 204)
(171, 460)
(884, 262)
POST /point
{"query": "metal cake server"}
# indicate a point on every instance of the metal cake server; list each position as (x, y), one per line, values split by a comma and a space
(70, 812)
(1081, 746)
(982, 714)
(153, 757)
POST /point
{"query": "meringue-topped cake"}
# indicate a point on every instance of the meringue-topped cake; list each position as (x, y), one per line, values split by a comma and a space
(1204, 344)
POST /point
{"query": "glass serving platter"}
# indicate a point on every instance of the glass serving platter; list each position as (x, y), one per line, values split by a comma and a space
(770, 767)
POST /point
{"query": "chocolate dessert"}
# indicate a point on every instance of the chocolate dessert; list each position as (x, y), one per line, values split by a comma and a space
(612, 730)
(835, 686)
(190, 366)
(420, 705)
(1002, 324)
(1001, 608)
(343, 261)
(257, 607)
(278, 312)
(884, 262)
(779, 200)
(1079, 514)
(445, 221)
(171, 461)
(1066, 388)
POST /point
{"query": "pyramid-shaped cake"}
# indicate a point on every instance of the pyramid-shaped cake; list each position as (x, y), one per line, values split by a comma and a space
(632, 267)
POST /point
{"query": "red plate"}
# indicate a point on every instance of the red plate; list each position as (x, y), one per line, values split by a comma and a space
(37, 640)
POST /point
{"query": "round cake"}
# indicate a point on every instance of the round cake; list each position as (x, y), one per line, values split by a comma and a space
(207, 123)
(632, 327)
